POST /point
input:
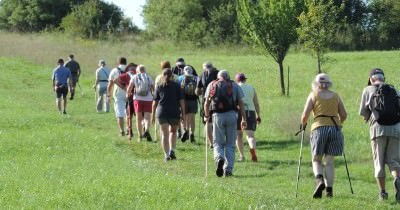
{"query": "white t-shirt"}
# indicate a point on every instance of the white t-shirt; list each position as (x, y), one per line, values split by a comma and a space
(149, 96)
(118, 92)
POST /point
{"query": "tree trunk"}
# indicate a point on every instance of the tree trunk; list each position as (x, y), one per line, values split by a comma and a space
(282, 77)
(319, 61)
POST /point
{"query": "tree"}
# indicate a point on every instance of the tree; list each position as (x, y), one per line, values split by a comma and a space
(272, 25)
(91, 18)
(318, 27)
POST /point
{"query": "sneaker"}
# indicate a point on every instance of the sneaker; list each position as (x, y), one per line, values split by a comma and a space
(71, 98)
(185, 136)
(64, 112)
(192, 138)
(220, 167)
(383, 196)
(396, 184)
(167, 159)
(329, 192)
(228, 173)
(172, 155)
(122, 133)
(319, 187)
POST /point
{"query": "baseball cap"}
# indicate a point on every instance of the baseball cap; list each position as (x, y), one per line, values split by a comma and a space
(180, 62)
(375, 72)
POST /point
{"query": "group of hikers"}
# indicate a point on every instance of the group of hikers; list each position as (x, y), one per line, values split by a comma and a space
(230, 107)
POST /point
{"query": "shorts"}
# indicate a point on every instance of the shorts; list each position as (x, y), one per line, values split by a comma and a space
(143, 106)
(119, 107)
(327, 140)
(130, 109)
(385, 150)
(250, 120)
(170, 121)
(62, 91)
(74, 79)
(191, 106)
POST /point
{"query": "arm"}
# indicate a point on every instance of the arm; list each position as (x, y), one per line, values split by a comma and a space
(97, 80)
(109, 88)
(153, 115)
(206, 109)
(342, 111)
(130, 88)
(257, 106)
(242, 112)
(182, 104)
(54, 84)
(307, 110)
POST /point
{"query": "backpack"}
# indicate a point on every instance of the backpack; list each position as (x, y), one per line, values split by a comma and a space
(189, 86)
(142, 84)
(385, 102)
(221, 94)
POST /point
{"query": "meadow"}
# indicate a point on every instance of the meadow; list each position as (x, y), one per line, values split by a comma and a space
(78, 161)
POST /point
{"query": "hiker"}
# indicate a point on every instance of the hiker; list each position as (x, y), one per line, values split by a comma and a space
(61, 77)
(123, 81)
(142, 87)
(100, 87)
(75, 69)
(222, 98)
(209, 74)
(384, 131)
(179, 67)
(188, 83)
(118, 94)
(252, 110)
(165, 65)
(326, 138)
(169, 108)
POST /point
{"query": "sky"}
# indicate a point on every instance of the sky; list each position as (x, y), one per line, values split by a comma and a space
(132, 9)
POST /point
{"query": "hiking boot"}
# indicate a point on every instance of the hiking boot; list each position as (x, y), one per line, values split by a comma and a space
(383, 196)
(220, 167)
(172, 155)
(64, 112)
(329, 192)
(71, 98)
(192, 138)
(319, 186)
(185, 136)
(396, 184)
(179, 133)
(228, 173)
(167, 159)
(148, 136)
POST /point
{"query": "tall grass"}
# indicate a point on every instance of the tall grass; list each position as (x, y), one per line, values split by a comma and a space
(78, 161)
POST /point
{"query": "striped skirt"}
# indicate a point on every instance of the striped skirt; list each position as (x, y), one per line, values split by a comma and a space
(327, 140)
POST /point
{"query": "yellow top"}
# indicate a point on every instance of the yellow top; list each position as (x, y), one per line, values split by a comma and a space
(325, 107)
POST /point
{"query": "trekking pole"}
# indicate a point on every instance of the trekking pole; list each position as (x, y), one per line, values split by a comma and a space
(348, 174)
(302, 130)
(80, 88)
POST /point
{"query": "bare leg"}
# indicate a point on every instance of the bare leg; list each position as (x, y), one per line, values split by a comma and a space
(239, 144)
(139, 126)
(165, 139)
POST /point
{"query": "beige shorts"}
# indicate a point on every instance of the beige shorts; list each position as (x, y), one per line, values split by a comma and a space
(385, 150)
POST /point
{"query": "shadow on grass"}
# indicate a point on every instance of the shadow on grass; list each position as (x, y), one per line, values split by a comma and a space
(279, 144)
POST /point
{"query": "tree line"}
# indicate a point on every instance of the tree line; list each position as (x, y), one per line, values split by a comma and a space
(363, 24)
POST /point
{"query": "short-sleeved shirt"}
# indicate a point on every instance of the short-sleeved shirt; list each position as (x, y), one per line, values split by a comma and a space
(149, 96)
(61, 75)
(118, 92)
(168, 98)
(248, 99)
(103, 74)
(206, 77)
(376, 130)
(237, 92)
(73, 66)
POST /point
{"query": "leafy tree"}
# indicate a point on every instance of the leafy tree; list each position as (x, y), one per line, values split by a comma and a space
(318, 27)
(272, 25)
(91, 18)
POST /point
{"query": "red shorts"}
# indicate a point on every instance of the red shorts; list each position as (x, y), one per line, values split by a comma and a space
(143, 106)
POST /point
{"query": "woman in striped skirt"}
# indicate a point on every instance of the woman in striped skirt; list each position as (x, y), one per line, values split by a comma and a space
(326, 136)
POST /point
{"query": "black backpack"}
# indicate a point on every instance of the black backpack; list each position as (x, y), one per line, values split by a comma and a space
(221, 94)
(385, 102)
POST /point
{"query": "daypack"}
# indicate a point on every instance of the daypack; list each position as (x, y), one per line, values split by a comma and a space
(189, 86)
(142, 84)
(386, 103)
(221, 94)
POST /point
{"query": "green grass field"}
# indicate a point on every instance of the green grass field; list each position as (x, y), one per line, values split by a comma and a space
(78, 161)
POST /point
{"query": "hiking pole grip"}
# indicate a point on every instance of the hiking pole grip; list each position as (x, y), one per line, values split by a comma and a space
(300, 158)
(348, 174)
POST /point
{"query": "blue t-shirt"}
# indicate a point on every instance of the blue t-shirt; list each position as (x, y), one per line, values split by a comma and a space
(61, 75)
(168, 100)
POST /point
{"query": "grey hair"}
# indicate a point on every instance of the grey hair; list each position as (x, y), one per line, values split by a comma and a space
(223, 74)
(141, 69)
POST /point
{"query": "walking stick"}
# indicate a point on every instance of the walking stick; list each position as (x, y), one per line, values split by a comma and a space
(302, 130)
(348, 174)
